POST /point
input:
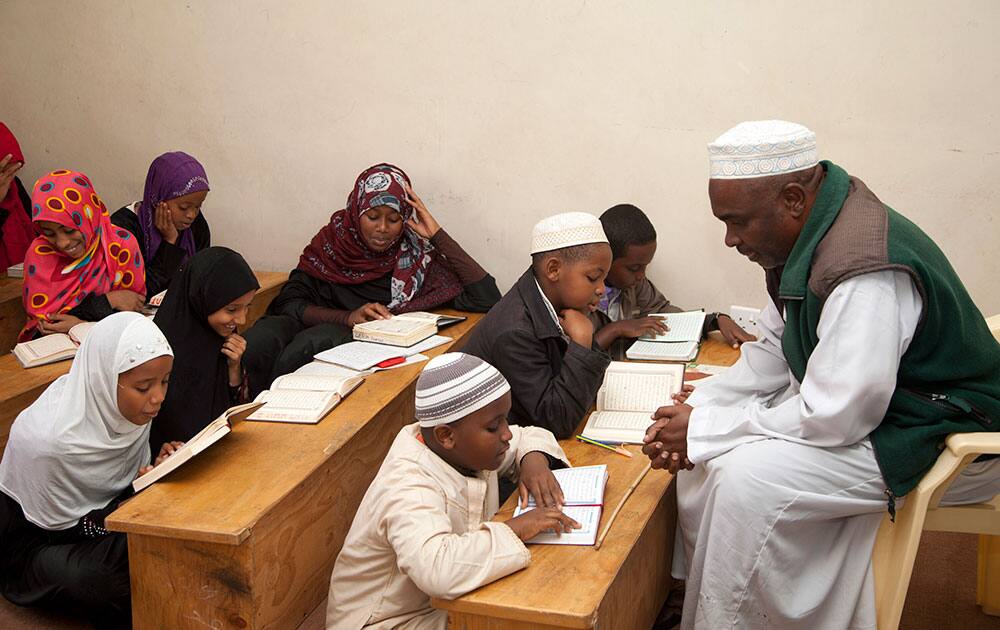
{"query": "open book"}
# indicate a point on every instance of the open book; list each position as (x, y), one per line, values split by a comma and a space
(680, 343)
(403, 330)
(583, 491)
(215, 431)
(362, 355)
(52, 348)
(304, 398)
(631, 392)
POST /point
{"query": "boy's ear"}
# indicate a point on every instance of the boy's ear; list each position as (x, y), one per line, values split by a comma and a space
(552, 267)
(445, 436)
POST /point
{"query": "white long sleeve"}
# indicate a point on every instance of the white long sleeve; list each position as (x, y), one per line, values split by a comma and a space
(866, 326)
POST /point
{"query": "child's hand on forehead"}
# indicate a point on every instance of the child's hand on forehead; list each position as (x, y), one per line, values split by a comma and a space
(536, 479)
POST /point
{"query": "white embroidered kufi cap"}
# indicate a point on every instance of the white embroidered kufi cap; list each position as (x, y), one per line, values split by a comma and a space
(455, 384)
(761, 148)
(566, 230)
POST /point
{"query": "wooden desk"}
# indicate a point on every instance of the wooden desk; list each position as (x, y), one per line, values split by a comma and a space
(12, 315)
(246, 535)
(20, 387)
(621, 585)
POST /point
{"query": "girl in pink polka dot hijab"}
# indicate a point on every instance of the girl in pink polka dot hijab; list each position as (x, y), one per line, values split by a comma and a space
(80, 267)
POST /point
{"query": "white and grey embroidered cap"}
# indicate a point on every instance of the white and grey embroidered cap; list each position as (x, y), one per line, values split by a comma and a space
(566, 230)
(761, 148)
(455, 384)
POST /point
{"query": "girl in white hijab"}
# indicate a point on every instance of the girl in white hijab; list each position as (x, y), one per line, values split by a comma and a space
(70, 460)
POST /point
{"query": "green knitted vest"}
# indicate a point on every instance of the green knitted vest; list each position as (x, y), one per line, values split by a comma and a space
(949, 377)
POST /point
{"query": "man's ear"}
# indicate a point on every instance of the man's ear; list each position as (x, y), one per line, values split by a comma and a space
(793, 198)
(552, 267)
(445, 436)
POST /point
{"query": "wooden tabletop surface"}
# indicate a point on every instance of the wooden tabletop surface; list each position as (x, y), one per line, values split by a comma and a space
(221, 494)
(19, 387)
(539, 594)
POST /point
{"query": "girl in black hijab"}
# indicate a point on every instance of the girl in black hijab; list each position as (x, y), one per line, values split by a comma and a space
(207, 301)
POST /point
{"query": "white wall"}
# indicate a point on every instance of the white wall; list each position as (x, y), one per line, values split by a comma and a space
(504, 112)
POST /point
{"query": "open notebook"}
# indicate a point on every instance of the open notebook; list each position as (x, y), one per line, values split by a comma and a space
(679, 343)
(363, 355)
(52, 348)
(583, 491)
(215, 431)
(403, 330)
(304, 398)
(631, 392)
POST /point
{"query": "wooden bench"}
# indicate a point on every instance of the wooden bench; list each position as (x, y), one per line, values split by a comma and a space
(621, 585)
(246, 535)
(20, 387)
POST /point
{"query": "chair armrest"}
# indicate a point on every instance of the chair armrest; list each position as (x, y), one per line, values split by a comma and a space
(963, 444)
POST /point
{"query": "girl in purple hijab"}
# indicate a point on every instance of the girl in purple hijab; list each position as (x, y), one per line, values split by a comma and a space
(168, 222)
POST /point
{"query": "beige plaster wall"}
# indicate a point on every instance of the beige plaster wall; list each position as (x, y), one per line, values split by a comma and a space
(504, 112)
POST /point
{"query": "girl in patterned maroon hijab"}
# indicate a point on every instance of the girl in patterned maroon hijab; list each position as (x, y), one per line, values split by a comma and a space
(383, 254)
(351, 249)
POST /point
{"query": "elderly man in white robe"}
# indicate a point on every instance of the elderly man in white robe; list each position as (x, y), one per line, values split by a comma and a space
(789, 459)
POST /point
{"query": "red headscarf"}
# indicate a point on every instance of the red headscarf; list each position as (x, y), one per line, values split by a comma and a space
(338, 253)
(16, 227)
(54, 283)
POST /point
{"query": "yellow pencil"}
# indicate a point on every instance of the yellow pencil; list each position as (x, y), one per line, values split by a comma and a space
(621, 450)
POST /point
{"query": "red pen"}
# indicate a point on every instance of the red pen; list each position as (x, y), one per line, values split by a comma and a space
(391, 362)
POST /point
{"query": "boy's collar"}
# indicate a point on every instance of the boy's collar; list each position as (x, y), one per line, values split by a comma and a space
(549, 307)
(419, 436)
(535, 301)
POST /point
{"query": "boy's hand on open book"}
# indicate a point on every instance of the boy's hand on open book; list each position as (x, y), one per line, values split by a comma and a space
(58, 323)
(732, 332)
(635, 328)
(537, 480)
(367, 313)
(541, 519)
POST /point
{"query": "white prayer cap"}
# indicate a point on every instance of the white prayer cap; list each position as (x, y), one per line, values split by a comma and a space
(566, 230)
(761, 148)
(455, 384)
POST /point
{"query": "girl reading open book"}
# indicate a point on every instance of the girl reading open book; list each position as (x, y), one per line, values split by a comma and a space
(383, 254)
(80, 268)
(70, 460)
(200, 315)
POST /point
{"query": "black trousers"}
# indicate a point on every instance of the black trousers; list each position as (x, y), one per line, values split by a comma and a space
(280, 344)
(64, 571)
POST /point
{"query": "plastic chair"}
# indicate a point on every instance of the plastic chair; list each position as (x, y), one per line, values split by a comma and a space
(896, 543)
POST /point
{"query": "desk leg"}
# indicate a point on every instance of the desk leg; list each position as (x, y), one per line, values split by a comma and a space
(184, 584)
(988, 591)
(640, 590)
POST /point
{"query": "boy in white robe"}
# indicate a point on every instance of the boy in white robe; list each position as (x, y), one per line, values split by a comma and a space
(423, 529)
